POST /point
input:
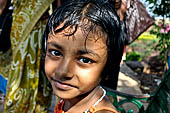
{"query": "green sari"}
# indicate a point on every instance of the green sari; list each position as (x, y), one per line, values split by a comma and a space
(27, 88)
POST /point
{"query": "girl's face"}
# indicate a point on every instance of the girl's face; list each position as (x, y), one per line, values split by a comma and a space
(74, 64)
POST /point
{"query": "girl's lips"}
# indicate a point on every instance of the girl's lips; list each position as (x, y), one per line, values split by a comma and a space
(62, 86)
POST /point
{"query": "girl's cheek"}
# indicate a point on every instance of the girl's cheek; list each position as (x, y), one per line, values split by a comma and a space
(47, 66)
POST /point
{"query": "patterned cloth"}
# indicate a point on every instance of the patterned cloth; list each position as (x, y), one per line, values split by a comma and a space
(138, 20)
(27, 89)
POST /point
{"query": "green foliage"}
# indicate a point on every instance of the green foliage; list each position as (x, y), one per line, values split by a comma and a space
(162, 32)
(133, 56)
(161, 8)
(147, 36)
(144, 46)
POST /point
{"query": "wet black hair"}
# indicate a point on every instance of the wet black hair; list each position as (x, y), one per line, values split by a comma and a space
(99, 13)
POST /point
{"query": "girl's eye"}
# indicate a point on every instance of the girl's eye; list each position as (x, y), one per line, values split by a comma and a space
(55, 53)
(86, 60)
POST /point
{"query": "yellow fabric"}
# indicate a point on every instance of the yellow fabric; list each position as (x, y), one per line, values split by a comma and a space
(27, 88)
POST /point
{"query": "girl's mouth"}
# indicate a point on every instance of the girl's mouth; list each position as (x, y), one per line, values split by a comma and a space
(62, 86)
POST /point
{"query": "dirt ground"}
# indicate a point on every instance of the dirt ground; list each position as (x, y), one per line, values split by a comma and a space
(153, 70)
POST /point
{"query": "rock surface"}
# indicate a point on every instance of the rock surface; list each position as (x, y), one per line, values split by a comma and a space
(128, 85)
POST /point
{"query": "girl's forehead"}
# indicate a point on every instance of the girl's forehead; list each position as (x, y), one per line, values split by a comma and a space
(87, 28)
(71, 32)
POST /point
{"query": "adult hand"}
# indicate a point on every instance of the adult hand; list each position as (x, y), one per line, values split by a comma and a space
(123, 8)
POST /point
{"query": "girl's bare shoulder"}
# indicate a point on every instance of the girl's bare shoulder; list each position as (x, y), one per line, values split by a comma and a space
(106, 106)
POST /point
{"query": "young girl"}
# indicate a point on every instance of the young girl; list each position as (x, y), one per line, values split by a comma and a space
(82, 44)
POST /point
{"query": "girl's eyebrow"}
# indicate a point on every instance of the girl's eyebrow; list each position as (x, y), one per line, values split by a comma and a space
(80, 52)
(88, 51)
(54, 45)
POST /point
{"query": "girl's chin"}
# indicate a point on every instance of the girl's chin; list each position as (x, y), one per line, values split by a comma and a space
(65, 94)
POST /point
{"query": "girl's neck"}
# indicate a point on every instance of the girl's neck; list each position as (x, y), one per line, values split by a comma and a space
(84, 101)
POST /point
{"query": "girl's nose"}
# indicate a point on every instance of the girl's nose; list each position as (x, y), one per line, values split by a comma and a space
(64, 70)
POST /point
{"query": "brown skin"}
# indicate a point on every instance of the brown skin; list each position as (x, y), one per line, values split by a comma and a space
(2, 5)
(74, 69)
